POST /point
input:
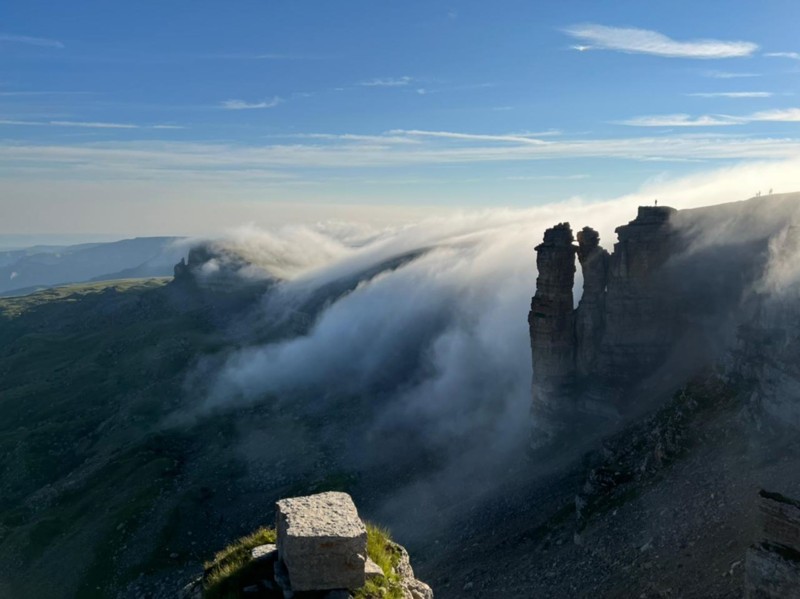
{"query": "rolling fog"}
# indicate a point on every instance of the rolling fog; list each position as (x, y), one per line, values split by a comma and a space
(440, 342)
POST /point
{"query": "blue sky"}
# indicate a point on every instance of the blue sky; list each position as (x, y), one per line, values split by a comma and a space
(281, 111)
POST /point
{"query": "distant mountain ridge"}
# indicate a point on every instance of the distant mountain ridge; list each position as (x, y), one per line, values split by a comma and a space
(29, 269)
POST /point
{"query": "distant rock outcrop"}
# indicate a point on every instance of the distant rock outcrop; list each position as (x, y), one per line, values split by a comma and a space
(621, 327)
(663, 305)
(772, 565)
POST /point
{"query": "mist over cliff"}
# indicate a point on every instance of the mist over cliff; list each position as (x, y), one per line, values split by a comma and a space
(422, 326)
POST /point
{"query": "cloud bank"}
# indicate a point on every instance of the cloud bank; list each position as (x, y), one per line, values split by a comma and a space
(437, 346)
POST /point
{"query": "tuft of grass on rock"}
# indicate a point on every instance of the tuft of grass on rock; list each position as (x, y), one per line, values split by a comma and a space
(226, 573)
(383, 552)
(233, 568)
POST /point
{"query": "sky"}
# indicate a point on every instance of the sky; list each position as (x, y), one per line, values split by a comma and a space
(185, 117)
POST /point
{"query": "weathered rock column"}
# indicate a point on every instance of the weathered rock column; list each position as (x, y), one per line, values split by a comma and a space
(551, 319)
(590, 317)
(552, 330)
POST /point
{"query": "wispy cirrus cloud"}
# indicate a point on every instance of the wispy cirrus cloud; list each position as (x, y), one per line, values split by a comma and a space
(243, 105)
(42, 42)
(387, 82)
(730, 75)
(732, 94)
(523, 138)
(678, 120)
(792, 55)
(786, 115)
(84, 124)
(147, 159)
(261, 56)
(226, 162)
(644, 41)
(12, 94)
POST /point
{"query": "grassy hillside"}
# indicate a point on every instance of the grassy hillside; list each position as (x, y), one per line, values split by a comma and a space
(86, 372)
(111, 481)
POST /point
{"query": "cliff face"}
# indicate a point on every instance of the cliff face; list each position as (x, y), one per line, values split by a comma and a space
(667, 302)
(638, 317)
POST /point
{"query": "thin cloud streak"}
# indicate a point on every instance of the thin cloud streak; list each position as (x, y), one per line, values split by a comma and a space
(143, 159)
(514, 138)
(387, 82)
(644, 41)
(84, 124)
(730, 75)
(30, 41)
(792, 55)
(788, 115)
(242, 105)
(678, 120)
(732, 95)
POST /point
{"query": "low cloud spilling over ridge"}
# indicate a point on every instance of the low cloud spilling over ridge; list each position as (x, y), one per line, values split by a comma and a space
(439, 344)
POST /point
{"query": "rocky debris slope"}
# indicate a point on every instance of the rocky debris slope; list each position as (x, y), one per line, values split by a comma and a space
(662, 509)
(772, 566)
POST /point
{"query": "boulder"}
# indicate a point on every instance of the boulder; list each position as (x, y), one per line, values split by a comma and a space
(264, 552)
(322, 542)
(373, 570)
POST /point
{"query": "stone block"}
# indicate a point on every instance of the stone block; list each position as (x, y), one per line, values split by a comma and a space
(322, 542)
(264, 552)
(373, 570)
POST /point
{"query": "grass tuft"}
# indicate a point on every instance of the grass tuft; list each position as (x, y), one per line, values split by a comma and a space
(383, 552)
(232, 567)
(225, 573)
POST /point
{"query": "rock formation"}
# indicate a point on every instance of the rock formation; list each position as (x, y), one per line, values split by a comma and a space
(772, 565)
(321, 552)
(552, 324)
(322, 542)
(587, 360)
(551, 318)
(589, 322)
(638, 326)
(669, 301)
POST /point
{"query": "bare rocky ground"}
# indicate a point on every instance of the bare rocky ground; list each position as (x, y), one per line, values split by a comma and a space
(675, 529)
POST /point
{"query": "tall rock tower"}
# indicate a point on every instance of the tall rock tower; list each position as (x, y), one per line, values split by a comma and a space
(584, 359)
(552, 329)
(551, 319)
(590, 315)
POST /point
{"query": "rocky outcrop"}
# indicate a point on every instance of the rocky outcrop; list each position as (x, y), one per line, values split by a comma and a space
(322, 542)
(551, 321)
(211, 265)
(621, 329)
(551, 318)
(321, 552)
(661, 307)
(638, 321)
(590, 315)
(772, 565)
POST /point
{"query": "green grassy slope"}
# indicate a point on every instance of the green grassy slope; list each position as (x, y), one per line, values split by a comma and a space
(86, 371)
